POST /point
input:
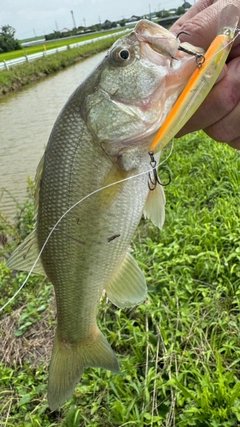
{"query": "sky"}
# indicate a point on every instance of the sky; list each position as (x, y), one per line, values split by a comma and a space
(31, 17)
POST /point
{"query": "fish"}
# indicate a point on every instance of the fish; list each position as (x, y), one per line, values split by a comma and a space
(92, 187)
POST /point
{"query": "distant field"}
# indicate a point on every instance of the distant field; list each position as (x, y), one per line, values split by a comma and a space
(31, 39)
(54, 44)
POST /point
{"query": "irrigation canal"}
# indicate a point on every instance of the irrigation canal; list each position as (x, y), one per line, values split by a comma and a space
(26, 120)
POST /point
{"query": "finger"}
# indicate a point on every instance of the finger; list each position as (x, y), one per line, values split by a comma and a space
(222, 100)
(193, 11)
(235, 51)
(235, 143)
(203, 26)
(226, 129)
(206, 114)
(227, 106)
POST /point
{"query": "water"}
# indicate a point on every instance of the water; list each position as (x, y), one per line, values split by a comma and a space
(26, 120)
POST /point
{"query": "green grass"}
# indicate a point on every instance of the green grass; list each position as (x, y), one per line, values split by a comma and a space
(54, 44)
(179, 351)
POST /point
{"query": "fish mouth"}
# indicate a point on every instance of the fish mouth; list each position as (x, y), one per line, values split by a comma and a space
(161, 44)
(160, 40)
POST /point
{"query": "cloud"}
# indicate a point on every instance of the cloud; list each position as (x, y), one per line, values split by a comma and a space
(46, 15)
(35, 15)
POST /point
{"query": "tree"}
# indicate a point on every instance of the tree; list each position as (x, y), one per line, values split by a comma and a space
(7, 39)
(180, 10)
(186, 5)
(54, 35)
(162, 14)
(107, 25)
(122, 22)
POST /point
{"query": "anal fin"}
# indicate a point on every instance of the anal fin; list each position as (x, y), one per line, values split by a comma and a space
(128, 286)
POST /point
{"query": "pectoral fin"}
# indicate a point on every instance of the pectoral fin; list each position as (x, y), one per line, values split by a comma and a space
(154, 208)
(128, 286)
(25, 255)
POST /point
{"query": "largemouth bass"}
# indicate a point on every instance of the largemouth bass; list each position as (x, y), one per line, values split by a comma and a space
(102, 136)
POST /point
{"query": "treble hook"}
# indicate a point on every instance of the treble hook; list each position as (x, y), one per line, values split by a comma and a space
(200, 58)
(182, 32)
(153, 181)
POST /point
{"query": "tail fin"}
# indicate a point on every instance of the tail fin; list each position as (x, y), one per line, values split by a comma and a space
(69, 361)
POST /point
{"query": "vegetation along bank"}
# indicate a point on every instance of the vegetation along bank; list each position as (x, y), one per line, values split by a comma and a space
(179, 351)
(20, 75)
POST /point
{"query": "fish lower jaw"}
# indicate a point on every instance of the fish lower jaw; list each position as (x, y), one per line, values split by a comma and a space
(138, 143)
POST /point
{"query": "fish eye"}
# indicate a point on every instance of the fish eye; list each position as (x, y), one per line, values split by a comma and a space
(121, 56)
(124, 54)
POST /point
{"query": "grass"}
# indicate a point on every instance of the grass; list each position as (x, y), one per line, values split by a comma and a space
(179, 351)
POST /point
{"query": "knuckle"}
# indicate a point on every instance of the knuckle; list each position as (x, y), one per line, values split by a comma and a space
(218, 133)
(229, 97)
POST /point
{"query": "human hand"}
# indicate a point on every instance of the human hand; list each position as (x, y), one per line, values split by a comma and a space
(219, 114)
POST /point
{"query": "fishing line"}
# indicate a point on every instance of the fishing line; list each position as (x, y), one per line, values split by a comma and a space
(228, 44)
(64, 214)
(169, 154)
